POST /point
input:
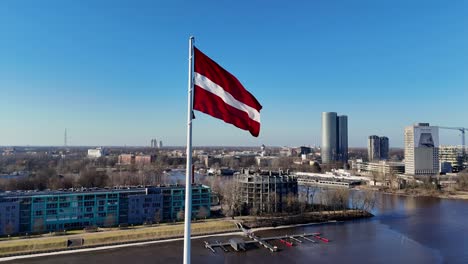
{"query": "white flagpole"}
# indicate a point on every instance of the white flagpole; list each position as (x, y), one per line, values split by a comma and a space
(188, 173)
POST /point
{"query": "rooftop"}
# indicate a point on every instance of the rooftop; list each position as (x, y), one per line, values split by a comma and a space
(116, 189)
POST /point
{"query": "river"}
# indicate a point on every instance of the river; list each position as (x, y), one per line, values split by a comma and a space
(404, 230)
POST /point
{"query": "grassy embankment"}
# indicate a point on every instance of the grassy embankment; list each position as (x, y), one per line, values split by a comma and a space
(17, 245)
(51, 243)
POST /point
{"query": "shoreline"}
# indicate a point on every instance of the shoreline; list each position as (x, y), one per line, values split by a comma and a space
(135, 244)
(459, 195)
(48, 246)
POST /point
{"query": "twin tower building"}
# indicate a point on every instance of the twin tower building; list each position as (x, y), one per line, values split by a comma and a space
(334, 138)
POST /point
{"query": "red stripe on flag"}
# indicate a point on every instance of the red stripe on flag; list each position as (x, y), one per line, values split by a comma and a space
(213, 105)
(213, 71)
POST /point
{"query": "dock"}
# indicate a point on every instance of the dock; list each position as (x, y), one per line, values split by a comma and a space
(308, 239)
(262, 242)
(208, 246)
(239, 244)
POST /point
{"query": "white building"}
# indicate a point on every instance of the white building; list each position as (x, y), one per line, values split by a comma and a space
(382, 167)
(421, 149)
(373, 148)
(452, 155)
(96, 153)
(267, 161)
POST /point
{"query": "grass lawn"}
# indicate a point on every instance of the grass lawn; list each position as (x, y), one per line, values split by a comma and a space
(162, 231)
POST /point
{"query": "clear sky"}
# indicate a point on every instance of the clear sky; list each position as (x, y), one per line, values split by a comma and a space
(115, 72)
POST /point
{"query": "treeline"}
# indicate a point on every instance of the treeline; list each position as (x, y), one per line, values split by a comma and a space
(35, 163)
(88, 176)
(462, 180)
(313, 200)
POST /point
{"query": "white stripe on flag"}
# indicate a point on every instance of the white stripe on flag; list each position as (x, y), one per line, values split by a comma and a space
(208, 85)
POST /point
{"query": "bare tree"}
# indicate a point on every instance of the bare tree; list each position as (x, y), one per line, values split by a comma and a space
(311, 194)
(231, 203)
(291, 203)
(38, 225)
(342, 198)
(90, 177)
(363, 200)
(180, 215)
(203, 213)
(316, 168)
(109, 220)
(463, 180)
(273, 200)
(9, 229)
(157, 216)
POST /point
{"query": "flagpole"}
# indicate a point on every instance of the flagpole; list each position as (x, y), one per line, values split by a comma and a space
(188, 169)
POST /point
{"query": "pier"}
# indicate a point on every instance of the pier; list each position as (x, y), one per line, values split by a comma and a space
(239, 244)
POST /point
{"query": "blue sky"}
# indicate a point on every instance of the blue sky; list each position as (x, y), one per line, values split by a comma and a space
(115, 72)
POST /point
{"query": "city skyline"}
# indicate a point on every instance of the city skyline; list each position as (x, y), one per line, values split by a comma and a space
(116, 73)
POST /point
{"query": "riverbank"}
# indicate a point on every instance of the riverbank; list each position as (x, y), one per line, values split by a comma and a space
(418, 192)
(112, 237)
(304, 218)
(142, 234)
(146, 243)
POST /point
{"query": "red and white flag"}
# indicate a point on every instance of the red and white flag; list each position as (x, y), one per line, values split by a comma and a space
(219, 94)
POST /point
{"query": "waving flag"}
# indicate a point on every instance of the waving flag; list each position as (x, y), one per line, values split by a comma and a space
(219, 94)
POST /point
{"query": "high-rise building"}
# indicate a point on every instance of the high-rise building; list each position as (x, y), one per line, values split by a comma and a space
(334, 138)
(342, 134)
(384, 148)
(421, 149)
(154, 143)
(377, 148)
(373, 148)
(329, 142)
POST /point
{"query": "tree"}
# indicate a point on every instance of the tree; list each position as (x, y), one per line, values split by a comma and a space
(316, 168)
(303, 201)
(9, 229)
(463, 180)
(157, 216)
(311, 193)
(291, 203)
(342, 198)
(203, 213)
(363, 200)
(39, 226)
(180, 215)
(42, 177)
(89, 177)
(246, 162)
(273, 200)
(109, 220)
(231, 203)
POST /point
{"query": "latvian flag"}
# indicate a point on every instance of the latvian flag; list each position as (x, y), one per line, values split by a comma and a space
(219, 94)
